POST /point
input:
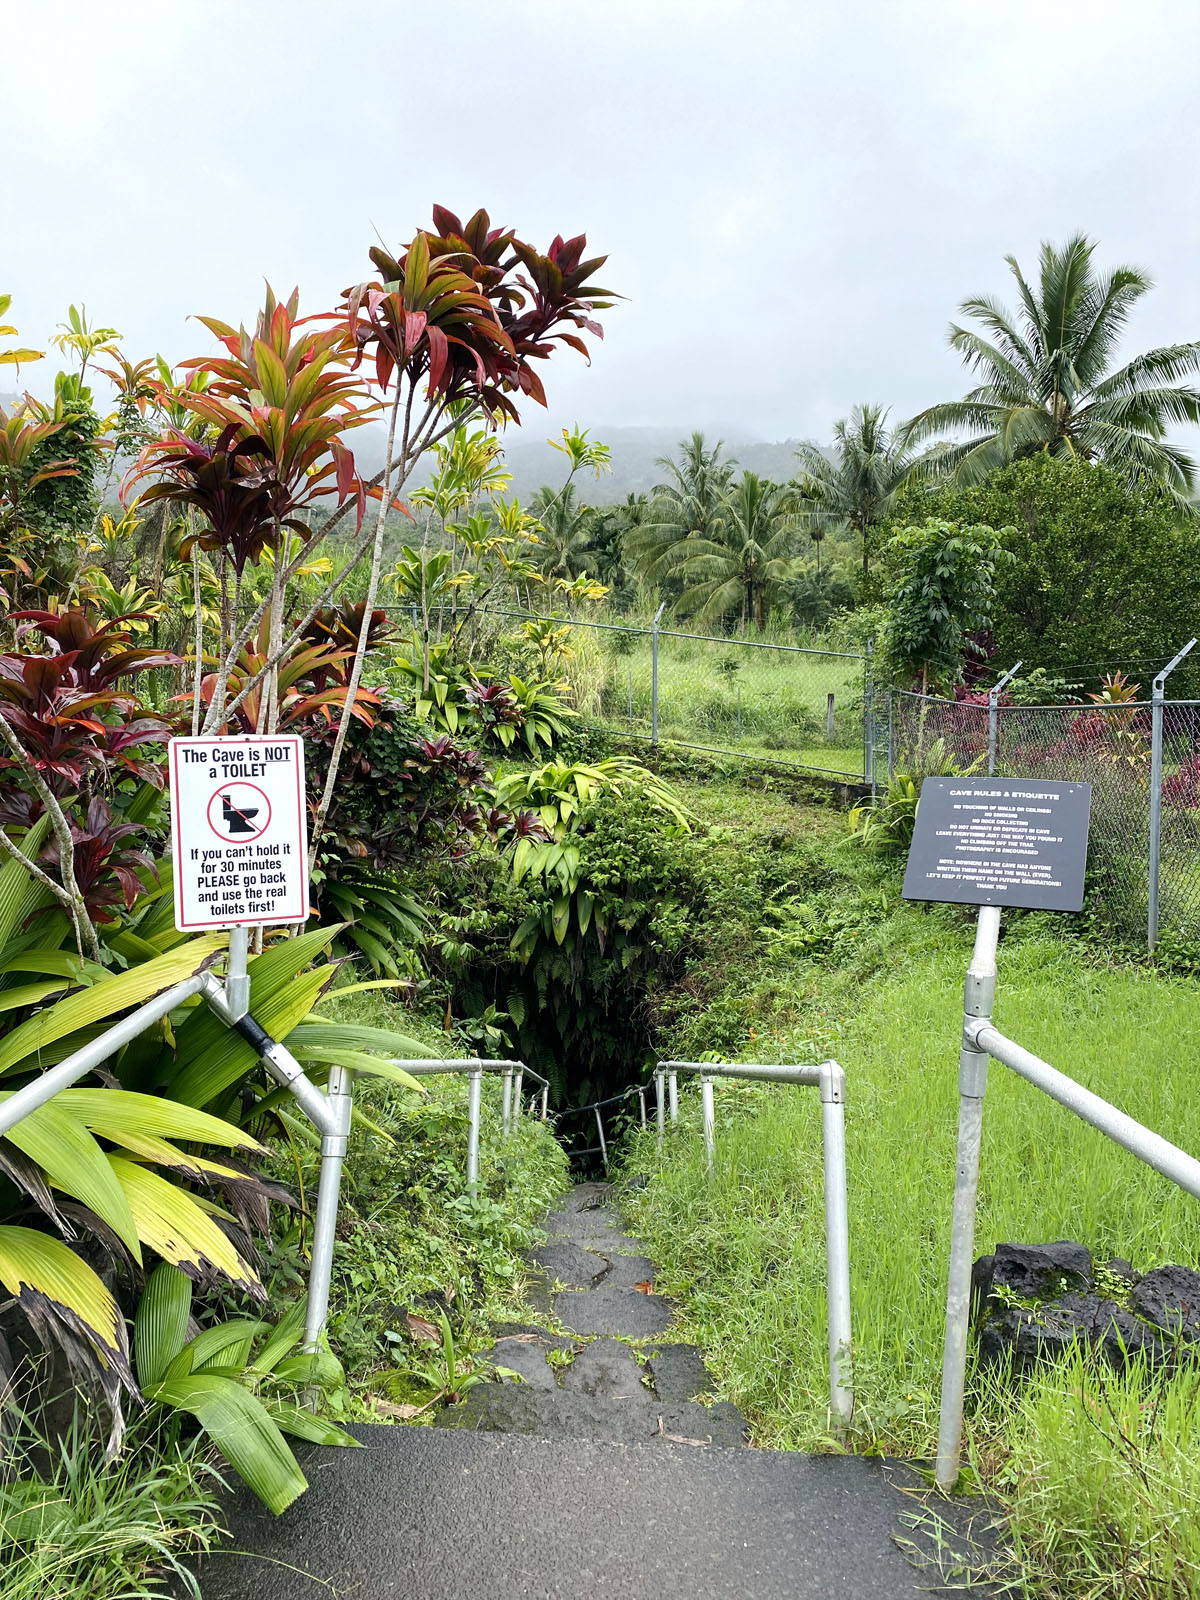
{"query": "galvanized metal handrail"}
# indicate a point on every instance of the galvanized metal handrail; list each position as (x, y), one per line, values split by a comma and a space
(828, 1077)
(513, 1073)
(329, 1110)
(981, 1040)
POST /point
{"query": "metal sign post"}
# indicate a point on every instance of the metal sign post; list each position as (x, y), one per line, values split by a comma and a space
(240, 858)
(988, 842)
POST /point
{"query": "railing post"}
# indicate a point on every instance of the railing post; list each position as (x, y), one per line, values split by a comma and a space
(518, 1090)
(545, 1102)
(673, 1082)
(654, 674)
(837, 1242)
(600, 1131)
(829, 718)
(994, 715)
(506, 1103)
(474, 1096)
(660, 1104)
(710, 1132)
(340, 1094)
(1157, 699)
(978, 998)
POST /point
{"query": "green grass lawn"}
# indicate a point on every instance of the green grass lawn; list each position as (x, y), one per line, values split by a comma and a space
(745, 1253)
(765, 703)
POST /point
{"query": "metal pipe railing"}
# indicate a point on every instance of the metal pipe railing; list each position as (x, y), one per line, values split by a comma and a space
(981, 1040)
(828, 1077)
(330, 1110)
(44, 1087)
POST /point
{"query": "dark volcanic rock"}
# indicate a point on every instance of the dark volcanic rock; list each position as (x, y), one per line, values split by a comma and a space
(1041, 1271)
(679, 1372)
(526, 1353)
(607, 1369)
(605, 1310)
(1170, 1298)
(1047, 1331)
(569, 1263)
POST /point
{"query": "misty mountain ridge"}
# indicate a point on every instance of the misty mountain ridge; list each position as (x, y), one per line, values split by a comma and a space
(635, 454)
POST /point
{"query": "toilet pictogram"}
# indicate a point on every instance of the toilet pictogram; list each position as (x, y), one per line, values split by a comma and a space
(239, 811)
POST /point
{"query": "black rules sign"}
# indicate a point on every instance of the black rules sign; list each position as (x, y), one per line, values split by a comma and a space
(1000, 842)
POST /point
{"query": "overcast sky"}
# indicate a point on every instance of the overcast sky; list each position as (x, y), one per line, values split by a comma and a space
(793, 196)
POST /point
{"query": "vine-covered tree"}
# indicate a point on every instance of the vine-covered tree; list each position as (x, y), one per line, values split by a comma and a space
(941, 591)
(1047, 380)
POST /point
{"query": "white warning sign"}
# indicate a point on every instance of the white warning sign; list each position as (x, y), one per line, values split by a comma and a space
(238, 825)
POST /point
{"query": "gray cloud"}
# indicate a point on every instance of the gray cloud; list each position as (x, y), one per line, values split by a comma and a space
(793, 196)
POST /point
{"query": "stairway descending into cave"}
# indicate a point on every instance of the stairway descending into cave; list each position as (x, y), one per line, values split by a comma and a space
(605, 1472)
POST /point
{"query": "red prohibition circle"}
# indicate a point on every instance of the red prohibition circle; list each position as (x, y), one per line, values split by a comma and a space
(234, 825)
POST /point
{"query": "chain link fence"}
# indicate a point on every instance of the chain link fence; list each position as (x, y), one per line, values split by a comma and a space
(772, 703)
(1144, 855)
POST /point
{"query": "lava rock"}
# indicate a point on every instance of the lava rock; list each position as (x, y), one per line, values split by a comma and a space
(607, 1370)
(1169, 1297)
(1120, 1268)
(1041, 1271)
(1042, 1333)
(679, 1372)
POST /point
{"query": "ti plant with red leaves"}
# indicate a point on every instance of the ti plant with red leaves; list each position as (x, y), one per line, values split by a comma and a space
(76, 725)
(451, 327)
(106, 866)
(310, 683)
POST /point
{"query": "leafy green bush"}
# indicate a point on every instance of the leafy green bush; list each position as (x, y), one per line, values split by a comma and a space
(1102, 573)
(887, 822)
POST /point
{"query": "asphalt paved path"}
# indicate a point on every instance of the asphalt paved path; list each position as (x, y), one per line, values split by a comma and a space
(607, 1474)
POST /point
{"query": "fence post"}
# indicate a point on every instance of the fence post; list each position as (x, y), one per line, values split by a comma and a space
(333, 1154)
(660, 1104)
(474, 1096)
(1157, 699)
(829, 718)
(868, 717)
(506, 1103)
(994, 715)
(654, 674)
(600, 1131)
(237, 978)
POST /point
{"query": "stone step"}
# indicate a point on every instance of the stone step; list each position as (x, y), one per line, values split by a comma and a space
(572, 1414)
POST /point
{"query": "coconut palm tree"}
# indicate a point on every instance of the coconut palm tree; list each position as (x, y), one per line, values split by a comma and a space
(564, 533)
(856, 489)
(1047, 380)
(747, 552)
(689, 504)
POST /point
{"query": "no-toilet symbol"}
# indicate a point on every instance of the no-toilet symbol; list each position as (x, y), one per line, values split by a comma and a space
(239, 811)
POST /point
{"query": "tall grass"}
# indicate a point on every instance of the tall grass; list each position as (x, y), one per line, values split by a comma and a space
(1103, 1480)
(746, 1250)
(1101, 1473)
(74, 1526)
